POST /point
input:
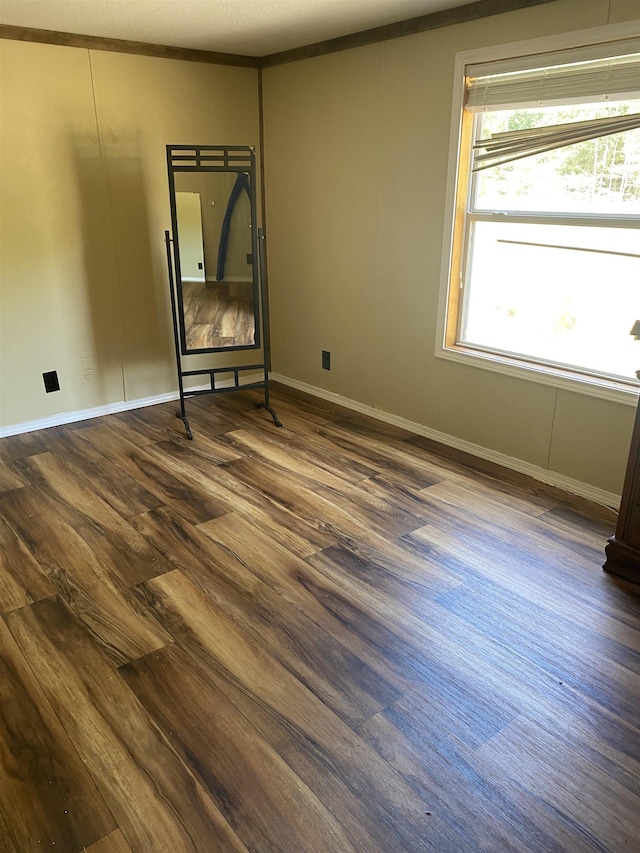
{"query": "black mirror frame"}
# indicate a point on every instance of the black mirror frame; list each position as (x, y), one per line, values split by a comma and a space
(214, 158)
(218, 158)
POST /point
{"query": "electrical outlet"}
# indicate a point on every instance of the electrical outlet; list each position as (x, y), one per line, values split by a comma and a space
(326, 360)
(51, 382)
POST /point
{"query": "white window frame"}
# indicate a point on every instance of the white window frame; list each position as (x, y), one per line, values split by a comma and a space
(452, 255)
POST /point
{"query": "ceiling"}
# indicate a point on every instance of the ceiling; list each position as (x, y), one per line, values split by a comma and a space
(248, 27)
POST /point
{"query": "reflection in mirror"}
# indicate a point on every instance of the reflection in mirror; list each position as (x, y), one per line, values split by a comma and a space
(217, 285)
(215, 261)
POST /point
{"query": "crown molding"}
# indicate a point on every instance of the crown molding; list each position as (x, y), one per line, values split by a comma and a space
(139, 48)
(433, 21)
(423, 23)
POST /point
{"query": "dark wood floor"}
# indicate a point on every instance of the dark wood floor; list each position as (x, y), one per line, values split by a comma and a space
(328, 637)
(218, 314)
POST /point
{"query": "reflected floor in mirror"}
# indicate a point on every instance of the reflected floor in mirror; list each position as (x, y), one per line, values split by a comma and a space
(218, 314)
(333, 637)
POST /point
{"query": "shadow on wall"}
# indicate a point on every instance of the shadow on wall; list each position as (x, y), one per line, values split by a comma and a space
(96, 359)
(126, 268)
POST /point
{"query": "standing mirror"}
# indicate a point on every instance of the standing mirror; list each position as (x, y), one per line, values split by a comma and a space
(216, 266)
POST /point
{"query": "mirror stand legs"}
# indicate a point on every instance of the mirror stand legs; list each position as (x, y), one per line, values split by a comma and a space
(271, 411)
(187, 428)
(267, 402)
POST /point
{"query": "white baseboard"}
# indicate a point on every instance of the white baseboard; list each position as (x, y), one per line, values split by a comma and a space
(113, 408)
(230, 279)
(552, 478)
(226, 280)
(86, 414)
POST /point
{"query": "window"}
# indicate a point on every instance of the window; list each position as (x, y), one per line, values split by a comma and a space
(545, 271)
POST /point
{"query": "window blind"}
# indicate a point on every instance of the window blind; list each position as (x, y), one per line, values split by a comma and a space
(502, 148)
(612, 78)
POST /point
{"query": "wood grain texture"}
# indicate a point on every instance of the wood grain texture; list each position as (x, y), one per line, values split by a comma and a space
(9, 478)
(334, 636)
(113, 843)
(158, 804)
(607, 816)
(219, 645)
(22, 445)
(22, 580)
(252, 784)
(106, 607)
(307, 457)
(218, 314)
(376, 446)
(494, 813)
(169, 486)
(80, 506)
(6, 844)
(48, 797)
(292, 530)
(93, 468)
(329, 669)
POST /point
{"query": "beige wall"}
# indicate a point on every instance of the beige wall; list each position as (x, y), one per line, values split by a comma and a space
(84, 204)
(356, 153)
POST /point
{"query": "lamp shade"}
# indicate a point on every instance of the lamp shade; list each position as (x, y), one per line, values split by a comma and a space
(635, 330)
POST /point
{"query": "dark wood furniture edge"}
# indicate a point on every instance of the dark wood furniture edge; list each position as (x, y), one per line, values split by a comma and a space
(622, 560)
(422, 23)
(630, 480)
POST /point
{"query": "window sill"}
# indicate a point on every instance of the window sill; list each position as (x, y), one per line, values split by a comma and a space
(605, 389)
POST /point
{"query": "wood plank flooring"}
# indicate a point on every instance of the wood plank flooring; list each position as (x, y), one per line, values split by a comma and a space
(326, 638)
(218, 314)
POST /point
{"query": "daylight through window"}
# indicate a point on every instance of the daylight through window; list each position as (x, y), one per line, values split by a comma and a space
(546, 264)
